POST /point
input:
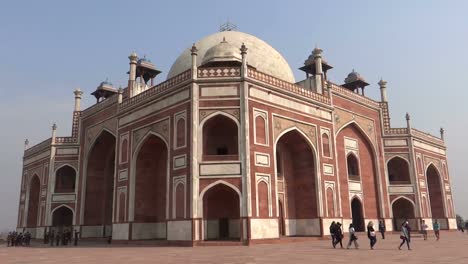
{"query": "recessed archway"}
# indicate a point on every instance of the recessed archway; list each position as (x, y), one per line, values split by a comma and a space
(297, 175)
(357, 214)
(220, 138)
(398, 171)
(33, 201)
(403, 210)
(353, 167)
(65, 180)
(221, 213)
(435, 192)
(151, 168)
(62, 218)
(100, 183)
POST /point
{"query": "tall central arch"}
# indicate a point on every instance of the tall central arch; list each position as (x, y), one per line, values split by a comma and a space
(296, 176)
(435, 192)
(100, 184)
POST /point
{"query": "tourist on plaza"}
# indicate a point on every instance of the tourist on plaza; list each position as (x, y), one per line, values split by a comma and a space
(332, 232)
(19, 240)
(436, 227)
(57, 239)
(46, 236)
(404, 236)
(424, 228)
(338, 235)
(27, 238)
(8, 239)
(466, 227)
(382, 229)
(76, 238)
(371, 234)
(51, 237)
(352, 237)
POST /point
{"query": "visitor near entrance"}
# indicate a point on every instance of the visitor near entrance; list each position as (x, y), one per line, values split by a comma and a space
(436, 228)
(352, 237)
(424, 228)
(371, 234)
(404, 236)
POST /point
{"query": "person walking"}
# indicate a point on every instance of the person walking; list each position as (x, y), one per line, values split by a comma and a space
(382, 229)
(404, 236)
(8, 239)
(352, 237)
(371, 234)
(436, 227)
(51, 237)
(424, 228)
(332, 232)
(338, 235)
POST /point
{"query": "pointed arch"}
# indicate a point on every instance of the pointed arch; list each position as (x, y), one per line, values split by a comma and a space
(224, 141)
(353, 167)
(98, 180)
(221, 206)
(65, 179)
(398, 170)
(136, 206)
(301, 178)
(357, 213)
(63, 216)
(368, 155)
(435, 191)
(33, 199)
(403, 209)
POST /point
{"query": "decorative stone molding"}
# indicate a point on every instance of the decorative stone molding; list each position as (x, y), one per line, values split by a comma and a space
(282, 124)
(232, 112)
(160, 127)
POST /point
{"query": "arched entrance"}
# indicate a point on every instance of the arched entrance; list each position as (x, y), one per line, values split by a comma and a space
(151, 170)
(33, 201)
(220, 139)
(100, 184)
(221, 213)
(62, 219)
(357, 215)
(398, 171)
(403, 210)
(65, 180)
(296, 176)
(435, 192)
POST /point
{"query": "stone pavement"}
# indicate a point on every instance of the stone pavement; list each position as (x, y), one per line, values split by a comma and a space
(452, 248)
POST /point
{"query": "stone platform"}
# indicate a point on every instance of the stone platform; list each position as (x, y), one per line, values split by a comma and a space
(452, 248)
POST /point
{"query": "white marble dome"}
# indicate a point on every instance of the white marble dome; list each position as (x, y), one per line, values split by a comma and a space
(259, 55)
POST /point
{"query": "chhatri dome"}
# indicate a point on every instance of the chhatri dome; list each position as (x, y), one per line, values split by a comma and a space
(260, 54)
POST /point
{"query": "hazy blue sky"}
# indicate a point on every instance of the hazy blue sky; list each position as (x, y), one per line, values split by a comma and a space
(48, 48)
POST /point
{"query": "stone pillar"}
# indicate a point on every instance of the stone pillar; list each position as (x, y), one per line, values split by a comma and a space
(132, 73)
(26, 144)
(243, 50)
(120, 95)
(442, 133)
(383, 90)
(318, 70)
(78, 93)
(408, 124)
(54, 131)
(194, 52)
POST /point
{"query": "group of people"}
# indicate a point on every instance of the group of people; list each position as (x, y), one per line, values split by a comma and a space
(15, 239)
(337, 235)
(60, 238)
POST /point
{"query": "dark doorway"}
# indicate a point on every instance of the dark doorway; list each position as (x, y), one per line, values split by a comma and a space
(358, 217)
(282, 230)
(62, 218)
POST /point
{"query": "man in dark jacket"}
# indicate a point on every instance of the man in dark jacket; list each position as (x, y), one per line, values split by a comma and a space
(382, 228)
(332, 232)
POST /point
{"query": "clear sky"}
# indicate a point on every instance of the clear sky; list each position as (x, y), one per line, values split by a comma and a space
(49, 48)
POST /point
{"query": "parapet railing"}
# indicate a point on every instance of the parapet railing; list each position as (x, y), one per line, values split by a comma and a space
(397, 131)
(268, 79)
(354, 96)
(166, 85)
(99, 106)
(213, 72)
(38, 147)
(426, 136)
(66, 140)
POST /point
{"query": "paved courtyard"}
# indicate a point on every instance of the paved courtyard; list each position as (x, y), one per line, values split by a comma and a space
(452, 248)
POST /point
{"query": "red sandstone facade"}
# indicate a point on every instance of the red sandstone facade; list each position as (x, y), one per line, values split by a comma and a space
(224, 151)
